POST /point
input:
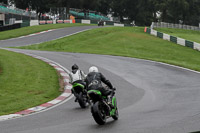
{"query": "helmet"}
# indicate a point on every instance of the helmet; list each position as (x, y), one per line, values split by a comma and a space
(93, 69)
(74, 67)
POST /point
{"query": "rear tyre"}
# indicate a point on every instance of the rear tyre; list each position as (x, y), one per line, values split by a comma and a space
(98, 113)
(82, 102)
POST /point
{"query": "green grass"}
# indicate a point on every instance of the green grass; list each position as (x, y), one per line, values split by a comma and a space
(25, 82)
(190, 35)
(33, 29)
(128, 41)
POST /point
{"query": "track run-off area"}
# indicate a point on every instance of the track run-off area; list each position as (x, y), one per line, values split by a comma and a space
(152, 97)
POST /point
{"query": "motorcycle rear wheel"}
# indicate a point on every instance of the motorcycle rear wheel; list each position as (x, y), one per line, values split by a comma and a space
(82, 102)
(98, 113)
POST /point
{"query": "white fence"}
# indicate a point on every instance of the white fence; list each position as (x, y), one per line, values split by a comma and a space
(170, 25)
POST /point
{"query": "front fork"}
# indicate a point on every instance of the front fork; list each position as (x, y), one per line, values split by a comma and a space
(114, 104)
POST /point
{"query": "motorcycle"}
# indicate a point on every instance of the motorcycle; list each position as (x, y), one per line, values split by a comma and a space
(80, 94)
(102, 107)
(101, 23)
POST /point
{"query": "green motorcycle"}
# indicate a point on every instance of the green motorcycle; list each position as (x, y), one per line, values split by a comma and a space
(81, 94)
(103, 107)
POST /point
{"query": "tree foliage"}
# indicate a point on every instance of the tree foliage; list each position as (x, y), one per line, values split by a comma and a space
(143, 12)
(3, 1)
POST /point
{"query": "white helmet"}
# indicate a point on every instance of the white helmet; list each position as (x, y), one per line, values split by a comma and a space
(93, 69)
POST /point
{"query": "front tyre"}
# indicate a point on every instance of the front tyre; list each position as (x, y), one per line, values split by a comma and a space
(116, 116)
(98, 113)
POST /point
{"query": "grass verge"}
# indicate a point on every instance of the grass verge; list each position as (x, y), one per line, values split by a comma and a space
(25, 82)
(33, 29)
(125, 41)
(190, 35)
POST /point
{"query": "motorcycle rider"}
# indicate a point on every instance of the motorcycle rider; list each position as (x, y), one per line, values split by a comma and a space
(77, 76)
(94, 81)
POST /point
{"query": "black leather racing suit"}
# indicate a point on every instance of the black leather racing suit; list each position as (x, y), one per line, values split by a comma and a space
(94, 81)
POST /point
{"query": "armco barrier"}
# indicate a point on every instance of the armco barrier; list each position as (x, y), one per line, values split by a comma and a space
(1, 22)
(159, 34)
(67, 21)
(85, 21)
(34, 22)
(180, 41)
(120, 25)
(42, 22)
(148, 30)
(10, 27)
(25, 23)
(59, 21)
(196, 46)
(189, 44)
(173, 39)
(166, 37)
(49, 22)
(78, 20)
(109, 23)
(94, 21)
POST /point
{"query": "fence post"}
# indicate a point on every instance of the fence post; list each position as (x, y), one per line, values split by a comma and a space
(152, 25)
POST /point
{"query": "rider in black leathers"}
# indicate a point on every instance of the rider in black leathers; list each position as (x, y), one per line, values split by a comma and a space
(94, 81)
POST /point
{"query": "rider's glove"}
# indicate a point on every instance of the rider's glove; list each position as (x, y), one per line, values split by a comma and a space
(113, 88)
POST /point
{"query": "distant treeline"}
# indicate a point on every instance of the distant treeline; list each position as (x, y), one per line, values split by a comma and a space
(143, 12)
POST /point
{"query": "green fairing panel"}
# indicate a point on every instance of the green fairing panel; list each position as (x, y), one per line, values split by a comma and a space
(96, 91)
(77, 84)
(112, 112)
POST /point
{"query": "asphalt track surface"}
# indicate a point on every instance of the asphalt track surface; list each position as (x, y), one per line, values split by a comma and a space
(152, 98)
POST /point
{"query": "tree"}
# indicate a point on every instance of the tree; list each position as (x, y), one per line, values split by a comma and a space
(103, 6)
(192, 16)
(22, 4)
(143, 12)
(41, 6)
(177, 10)
(162, 7)
(4, 1)
(119, 8)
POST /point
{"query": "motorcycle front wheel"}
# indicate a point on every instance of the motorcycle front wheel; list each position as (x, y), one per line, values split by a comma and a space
(115, 117)
(116, 114)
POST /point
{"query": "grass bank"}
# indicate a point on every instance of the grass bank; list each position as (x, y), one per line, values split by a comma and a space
(33, 29)
(25, 82)
(125, 41)
(190, 35)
